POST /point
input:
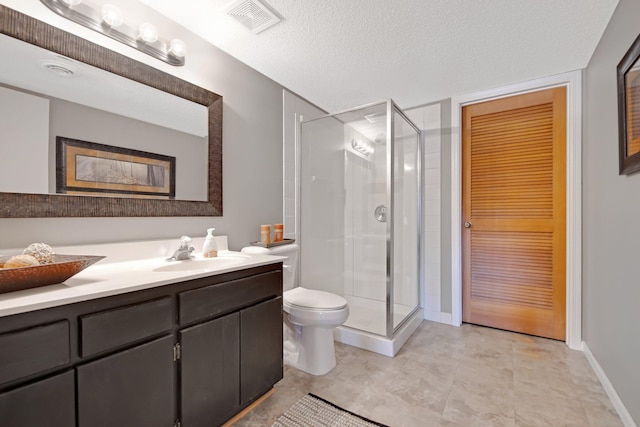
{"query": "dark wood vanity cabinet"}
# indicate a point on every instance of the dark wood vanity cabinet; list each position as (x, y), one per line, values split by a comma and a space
(229, 362)
(192, 354)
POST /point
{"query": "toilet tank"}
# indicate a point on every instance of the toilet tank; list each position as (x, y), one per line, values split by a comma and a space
(289, 265)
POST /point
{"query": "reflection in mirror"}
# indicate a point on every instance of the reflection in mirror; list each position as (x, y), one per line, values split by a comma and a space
(44, 96)
(148, 126)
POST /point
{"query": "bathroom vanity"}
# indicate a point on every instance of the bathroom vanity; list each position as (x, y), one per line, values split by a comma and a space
(191, 352)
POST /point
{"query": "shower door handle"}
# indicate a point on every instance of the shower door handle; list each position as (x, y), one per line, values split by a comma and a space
(381, 213)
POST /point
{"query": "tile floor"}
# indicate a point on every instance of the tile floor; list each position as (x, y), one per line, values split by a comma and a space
(448, 376)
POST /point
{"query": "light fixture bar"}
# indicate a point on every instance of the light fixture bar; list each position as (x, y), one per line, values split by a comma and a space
(143, 38)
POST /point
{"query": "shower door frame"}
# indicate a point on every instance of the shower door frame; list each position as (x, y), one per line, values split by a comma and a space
(391, 107)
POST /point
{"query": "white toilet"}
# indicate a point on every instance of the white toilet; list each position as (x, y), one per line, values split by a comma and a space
(310, 317)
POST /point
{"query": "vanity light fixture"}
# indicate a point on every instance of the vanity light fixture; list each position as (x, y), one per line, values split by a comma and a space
(109, 20)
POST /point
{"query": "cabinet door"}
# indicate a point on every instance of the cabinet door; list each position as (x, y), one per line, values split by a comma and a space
(49, 402)
(134, 387)
(210, 372)
(260, 348)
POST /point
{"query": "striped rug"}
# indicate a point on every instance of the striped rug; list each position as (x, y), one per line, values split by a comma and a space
(314, 411)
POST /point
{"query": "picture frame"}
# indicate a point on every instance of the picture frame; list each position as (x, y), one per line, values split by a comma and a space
(628, 74)
(92, 169)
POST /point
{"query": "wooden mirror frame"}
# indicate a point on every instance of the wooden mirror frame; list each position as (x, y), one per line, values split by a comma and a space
(628, 164)
(16, 205)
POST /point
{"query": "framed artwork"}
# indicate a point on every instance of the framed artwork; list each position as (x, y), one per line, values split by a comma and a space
(629, 110)
(87, 168)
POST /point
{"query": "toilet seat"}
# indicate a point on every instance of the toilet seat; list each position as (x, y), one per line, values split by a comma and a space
(310, 299)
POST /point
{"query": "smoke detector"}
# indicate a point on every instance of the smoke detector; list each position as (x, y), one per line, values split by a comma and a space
(253, 14)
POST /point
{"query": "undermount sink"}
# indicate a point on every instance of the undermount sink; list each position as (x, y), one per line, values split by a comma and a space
(202, 264)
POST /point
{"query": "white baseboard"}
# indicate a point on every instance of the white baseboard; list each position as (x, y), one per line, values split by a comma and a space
(438, 316)
(434, 316)
(446, 318)
(625, 416)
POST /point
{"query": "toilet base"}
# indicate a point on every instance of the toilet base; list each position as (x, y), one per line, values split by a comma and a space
(309, 348)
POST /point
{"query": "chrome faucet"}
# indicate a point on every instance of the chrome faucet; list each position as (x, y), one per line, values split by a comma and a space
(184, 251)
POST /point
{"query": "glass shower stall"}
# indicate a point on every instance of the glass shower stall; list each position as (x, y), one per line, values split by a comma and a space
(360, 213)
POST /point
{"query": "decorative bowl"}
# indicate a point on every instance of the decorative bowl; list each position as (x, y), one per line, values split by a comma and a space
(64, 267)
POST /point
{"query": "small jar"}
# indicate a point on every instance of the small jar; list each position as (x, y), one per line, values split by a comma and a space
(265, 234)
(278, 232)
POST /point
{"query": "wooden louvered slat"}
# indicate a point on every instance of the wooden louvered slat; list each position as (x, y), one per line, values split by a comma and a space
(525, 113)
(518, 142)
(513, 194)
(507, 170)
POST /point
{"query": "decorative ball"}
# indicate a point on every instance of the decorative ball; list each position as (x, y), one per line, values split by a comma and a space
(40, 251)
(21, 261)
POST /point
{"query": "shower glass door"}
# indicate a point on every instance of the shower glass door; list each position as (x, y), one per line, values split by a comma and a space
(407, 204)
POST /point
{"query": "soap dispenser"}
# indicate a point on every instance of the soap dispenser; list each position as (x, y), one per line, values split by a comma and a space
(210, 248)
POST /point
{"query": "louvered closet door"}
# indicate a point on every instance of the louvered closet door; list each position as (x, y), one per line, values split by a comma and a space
(513, 189)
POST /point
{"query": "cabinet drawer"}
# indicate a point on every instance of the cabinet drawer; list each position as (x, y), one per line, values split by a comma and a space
(123, 325)
(33, 350)
(226, 297)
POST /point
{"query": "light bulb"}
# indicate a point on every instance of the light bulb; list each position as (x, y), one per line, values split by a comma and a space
(111, 15)
(72, 2)
(147, 33)
(177, 48)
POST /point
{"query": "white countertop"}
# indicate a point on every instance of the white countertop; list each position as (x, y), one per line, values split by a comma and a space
(126, 275)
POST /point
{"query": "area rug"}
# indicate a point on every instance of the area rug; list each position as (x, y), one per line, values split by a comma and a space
(314, 411)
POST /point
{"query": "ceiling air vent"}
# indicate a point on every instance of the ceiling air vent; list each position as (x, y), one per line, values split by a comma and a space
(252, 14)
(60, 69)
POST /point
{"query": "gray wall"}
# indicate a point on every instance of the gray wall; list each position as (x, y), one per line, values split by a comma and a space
(252, 150)
(23, 142)
(611, 230)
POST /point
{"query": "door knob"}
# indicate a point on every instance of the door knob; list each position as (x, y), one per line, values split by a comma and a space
(467, 224)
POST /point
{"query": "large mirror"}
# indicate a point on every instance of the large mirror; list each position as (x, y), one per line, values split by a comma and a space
(92, 113)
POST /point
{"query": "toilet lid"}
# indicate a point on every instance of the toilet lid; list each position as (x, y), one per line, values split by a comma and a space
(309, 298)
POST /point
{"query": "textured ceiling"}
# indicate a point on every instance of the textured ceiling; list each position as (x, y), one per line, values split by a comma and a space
(344, 53)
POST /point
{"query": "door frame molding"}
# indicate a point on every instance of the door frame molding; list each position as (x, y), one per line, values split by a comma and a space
(573, 82)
